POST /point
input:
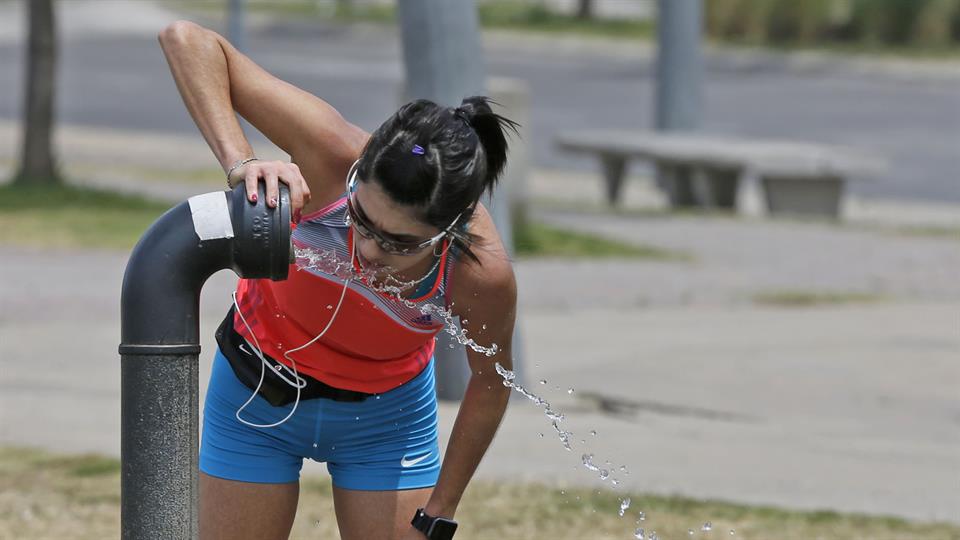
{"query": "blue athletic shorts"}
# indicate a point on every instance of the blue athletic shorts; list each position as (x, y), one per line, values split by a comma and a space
(386, 442)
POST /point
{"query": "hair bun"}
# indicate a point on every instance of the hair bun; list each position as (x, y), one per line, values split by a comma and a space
(491, 130)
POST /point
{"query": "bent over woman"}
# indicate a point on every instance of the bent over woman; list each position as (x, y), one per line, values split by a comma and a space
(335, 363)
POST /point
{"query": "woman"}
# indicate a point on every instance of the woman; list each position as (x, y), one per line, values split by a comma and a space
(326, 365)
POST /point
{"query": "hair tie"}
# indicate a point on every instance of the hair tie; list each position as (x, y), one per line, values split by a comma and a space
(417, 149)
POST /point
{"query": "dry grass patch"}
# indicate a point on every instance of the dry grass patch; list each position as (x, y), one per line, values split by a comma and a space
(44, 495)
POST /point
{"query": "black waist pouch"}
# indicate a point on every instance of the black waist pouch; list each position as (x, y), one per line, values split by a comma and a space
(248, 367)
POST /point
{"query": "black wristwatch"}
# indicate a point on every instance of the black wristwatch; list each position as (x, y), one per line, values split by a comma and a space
(436, 528)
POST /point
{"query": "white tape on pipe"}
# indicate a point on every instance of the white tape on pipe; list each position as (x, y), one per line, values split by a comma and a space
(211, 217)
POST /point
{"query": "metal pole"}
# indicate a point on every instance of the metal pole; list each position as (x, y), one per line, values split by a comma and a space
(443, 62)
(235, 26)
(679, 94)
(158, 442)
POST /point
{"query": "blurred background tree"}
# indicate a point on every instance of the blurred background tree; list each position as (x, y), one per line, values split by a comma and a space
(585, 9)
(38, 165)
(921, 23)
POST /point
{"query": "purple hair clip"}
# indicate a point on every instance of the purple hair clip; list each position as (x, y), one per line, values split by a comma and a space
(417, 149)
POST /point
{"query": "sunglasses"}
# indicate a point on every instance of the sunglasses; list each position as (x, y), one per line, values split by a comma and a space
(356, 217)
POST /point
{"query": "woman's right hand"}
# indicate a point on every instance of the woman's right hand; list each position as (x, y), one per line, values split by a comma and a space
(272, 173)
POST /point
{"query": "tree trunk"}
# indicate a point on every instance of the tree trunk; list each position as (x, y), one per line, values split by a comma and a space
(585, 9)
(38, 165)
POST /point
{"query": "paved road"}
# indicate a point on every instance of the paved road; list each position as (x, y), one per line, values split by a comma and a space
(113, 75)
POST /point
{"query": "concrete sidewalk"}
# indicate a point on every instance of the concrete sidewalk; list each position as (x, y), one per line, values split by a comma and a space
(847, 408)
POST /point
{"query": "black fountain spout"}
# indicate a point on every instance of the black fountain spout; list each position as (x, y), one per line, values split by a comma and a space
(160, 345)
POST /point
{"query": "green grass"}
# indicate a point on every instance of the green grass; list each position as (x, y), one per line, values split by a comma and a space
(42, 495)
(69, 216)
(798, 298)
(536, 18)
(539, 240)
(503, 14)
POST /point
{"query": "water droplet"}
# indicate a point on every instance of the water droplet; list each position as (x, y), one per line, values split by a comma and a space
(543, 381)
(314, 445)
(604, 474)
(357, 418)
(451, 345)
(732, 532)
(594, 433)
(484, 327)
(563, 492)
(642, 516)
(623, 468)
(707, 526)
(653, 535)
(377, 396)
(541, 435)
(569, 390)
(318, 523)
(278, 367)
(614, 481)
(465, 321)
(639, 534)
(329, 306)
(333, 447)
(624, 504)
(690, 532)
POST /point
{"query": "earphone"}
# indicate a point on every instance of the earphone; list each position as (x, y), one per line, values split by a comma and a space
(298, 382)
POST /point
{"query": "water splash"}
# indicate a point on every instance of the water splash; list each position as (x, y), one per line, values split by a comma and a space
(509, 380)
(382, 281)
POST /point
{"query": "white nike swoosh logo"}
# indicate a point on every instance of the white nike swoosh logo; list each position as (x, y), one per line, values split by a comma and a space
(411, 462)
(244, 350)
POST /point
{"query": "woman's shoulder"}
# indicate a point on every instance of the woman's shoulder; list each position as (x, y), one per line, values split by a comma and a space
(489, 278)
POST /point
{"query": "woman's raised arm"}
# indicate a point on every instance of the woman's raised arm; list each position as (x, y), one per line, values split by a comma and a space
(216, 81)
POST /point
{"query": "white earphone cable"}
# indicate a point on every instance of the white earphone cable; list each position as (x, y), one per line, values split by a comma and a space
(298, 382)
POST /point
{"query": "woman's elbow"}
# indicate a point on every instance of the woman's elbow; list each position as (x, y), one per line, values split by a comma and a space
(179, 32)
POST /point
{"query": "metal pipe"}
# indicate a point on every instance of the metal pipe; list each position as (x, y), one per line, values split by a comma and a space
(679, 93)
(160, 345)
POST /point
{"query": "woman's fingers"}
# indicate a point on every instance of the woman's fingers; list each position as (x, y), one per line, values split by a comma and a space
(271, 179)
(272, 173)
(251, 174)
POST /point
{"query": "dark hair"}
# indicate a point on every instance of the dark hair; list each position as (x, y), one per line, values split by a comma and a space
(439, 160)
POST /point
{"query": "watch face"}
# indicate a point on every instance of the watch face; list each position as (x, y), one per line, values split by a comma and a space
(442, 529)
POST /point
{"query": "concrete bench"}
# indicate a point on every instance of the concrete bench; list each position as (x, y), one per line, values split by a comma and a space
(697, 170)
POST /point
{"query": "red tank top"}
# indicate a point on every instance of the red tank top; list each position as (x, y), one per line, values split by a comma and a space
(375, 342)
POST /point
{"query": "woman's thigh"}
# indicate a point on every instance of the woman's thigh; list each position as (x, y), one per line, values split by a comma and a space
(362, 515)
(240, 510)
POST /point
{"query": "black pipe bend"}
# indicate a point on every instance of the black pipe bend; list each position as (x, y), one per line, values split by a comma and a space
(160, 299)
